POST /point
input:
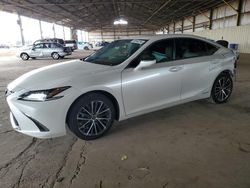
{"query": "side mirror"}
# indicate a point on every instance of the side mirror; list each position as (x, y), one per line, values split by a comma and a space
(33, 48)
(144, 64)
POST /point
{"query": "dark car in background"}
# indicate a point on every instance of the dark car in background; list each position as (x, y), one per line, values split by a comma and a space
(57, 40)
(71, 44)
(102, 43)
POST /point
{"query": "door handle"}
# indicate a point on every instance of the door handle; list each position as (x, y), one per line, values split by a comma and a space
(175, 69)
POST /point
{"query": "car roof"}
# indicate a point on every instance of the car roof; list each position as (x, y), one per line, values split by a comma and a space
(48, 42)
(165, 36)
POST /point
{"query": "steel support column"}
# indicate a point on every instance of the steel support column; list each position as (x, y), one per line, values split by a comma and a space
(63, 33)
(174, 27)
(182, 25)
(240, 3)
(19, 22)
(211, 19)
(41, 31)
(73, 32)
(53, 28)
(193, 23)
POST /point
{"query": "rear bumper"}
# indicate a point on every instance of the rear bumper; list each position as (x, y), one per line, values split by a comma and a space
(64, 53)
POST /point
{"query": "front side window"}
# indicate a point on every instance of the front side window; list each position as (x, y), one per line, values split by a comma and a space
(161, 51)
(116, 52)
(39, 46)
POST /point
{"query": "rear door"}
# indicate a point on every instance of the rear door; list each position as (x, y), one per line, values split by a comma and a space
(47, 50)
(196, 57)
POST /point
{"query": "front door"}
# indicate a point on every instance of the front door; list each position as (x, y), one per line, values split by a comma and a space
(153, 87)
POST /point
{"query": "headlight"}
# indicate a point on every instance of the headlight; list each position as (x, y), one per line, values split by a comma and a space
(43, 95)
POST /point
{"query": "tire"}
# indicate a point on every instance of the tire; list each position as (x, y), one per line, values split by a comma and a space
(86, 48)
(55, 55)
(24, 56)
(222, 88)
(91, 116)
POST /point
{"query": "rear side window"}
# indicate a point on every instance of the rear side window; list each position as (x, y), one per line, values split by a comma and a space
(55, 45)
(190, 48)
(211, 49)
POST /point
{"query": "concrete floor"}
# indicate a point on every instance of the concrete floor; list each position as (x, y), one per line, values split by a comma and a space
(192, 145)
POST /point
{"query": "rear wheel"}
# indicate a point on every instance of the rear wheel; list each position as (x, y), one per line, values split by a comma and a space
(24, 56)
(86, 48)
(55, 55)
(222, 88)
(91, 116)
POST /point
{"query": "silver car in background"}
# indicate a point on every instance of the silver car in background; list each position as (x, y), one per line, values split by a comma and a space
(46, 49)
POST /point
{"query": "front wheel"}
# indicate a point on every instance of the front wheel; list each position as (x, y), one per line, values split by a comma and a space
(91, 116)
(25, 56)
(55, 55)
(222, 88)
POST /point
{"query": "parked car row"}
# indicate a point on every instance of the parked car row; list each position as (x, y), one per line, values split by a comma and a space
(44, 49)
(55, 48)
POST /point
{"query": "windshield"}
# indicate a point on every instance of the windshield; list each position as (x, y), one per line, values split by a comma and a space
(116, 52)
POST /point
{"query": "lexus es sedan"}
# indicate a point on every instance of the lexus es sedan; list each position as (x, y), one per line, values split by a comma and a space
(44, 49)
(124, 79)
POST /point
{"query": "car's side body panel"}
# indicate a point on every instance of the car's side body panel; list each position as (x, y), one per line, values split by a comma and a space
(149, 88)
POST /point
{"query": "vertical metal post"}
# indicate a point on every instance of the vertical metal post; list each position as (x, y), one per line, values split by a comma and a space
(211, 19)
(53, 28)
(174, 27)
(101, 34)
(240, 3)
(41, 31)
(193, 23)
(182, 25)
(19, 22)
(63, 33)
(81, 37)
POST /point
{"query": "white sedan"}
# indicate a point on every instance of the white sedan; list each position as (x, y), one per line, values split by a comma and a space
(127, 78)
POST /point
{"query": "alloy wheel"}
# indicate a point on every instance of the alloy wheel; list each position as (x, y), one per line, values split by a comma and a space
(55, 56)
(93, 119)
(223, 88)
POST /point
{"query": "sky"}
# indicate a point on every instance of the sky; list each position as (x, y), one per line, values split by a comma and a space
(10, 31)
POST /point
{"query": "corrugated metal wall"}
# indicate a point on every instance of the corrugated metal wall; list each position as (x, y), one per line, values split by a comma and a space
(224, 21)
(109, 36)
(239, 35)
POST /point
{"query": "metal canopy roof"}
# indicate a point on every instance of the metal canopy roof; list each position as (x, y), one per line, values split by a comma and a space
(97, 14)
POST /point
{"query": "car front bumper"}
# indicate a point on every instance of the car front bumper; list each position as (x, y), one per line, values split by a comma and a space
(40, 119)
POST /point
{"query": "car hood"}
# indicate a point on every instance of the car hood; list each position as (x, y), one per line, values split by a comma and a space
(29, 47)
(56, 75)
